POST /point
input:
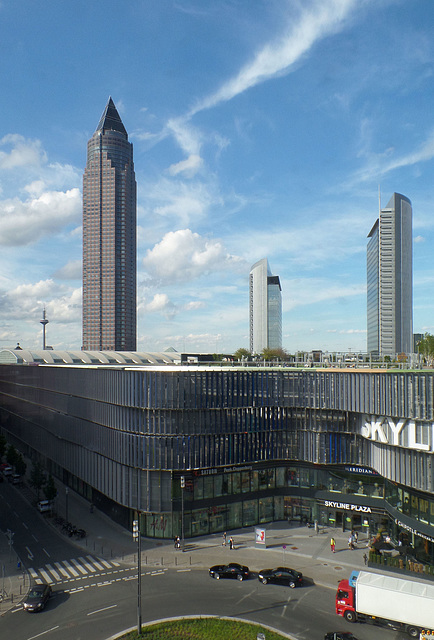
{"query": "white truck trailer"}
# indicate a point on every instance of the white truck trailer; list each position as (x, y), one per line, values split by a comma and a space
(387, 600)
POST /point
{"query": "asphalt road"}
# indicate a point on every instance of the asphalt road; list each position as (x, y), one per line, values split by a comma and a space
(101, 600)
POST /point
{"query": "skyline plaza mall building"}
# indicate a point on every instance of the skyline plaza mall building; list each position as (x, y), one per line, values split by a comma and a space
(348, 448)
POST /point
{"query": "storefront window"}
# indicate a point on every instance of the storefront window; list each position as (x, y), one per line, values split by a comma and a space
(280, 477)
(208, 487)
(234, 515)
(218, 484)
(292, 477)
(236, 483)
(266, 509)
(245, 481)
(423, 510)
(304, 478)
(255, 480)
(278, 508)
(199, 522)
(250, 512)
(217, 519)
(198, 488)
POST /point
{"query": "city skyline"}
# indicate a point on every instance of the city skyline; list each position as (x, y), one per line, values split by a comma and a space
(109, 238)
(273, 141)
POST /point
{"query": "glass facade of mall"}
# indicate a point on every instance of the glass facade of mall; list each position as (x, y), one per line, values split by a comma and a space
(347, 448)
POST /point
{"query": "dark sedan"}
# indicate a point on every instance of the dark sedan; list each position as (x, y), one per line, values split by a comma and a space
(37, 597)
(231, 570)
(339, 635)
(281, 575)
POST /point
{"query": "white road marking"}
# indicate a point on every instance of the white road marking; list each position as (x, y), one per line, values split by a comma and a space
(70, 568)
(30, 554)
(46, 577)
(99, 610)
(62, 570)
(45, 551)
(97, 564)
(43, 632)
(53, 572)
(88, 566)
(79, 567)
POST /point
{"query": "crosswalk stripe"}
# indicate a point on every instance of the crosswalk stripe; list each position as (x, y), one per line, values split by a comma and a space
(63, 571)
(53, 572)
(79, 567)
(48, 579)
(87, 565)
(106, 564)
(97, 564)
(35, 576)
(70, 568)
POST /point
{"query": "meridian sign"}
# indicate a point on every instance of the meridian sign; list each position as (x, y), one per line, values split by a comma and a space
(399, 432)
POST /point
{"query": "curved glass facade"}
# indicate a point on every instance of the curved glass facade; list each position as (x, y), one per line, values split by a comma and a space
(253, 445)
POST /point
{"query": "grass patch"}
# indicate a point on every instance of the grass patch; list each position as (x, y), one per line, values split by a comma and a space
(202, 629)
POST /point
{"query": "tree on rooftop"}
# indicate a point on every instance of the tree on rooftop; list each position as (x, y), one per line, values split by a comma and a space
(241, 354)
(426, 348)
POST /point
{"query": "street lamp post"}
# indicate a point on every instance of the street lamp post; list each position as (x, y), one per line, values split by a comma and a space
(136, 536)
(66, 503)
(182, 510)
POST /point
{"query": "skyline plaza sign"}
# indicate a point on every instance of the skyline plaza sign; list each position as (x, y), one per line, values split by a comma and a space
(399, 432)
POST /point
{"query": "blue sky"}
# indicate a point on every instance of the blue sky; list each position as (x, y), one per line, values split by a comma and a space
(261, 128)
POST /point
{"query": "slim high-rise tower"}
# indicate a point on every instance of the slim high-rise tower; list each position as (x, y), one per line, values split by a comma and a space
(265, 308)
(109, 238)
(390, 280)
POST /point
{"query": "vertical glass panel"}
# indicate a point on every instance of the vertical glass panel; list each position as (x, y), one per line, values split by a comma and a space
(245, 481)
(208, 487)
(250, 512)
(234, 515)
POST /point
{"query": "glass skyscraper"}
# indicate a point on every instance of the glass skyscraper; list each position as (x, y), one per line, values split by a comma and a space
(109, 238)
(265, 308)
(390, 281)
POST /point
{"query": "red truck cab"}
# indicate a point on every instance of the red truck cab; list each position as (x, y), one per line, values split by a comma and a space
(345, 601)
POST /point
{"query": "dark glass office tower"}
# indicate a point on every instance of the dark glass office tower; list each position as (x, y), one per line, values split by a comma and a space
(109, 238)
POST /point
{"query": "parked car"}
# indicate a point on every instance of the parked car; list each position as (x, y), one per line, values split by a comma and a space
(15, 478)
(7, 470)
(231, 570)
(44, 506)
(339, 635)
(281, 575)
(37, 597)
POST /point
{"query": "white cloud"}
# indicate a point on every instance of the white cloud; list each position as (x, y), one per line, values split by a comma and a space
(183, 255)
(188, 167)
(23, 223)
(302, 292)
(418, 239)
(193, 305)
(382, 163)
(186, 202)
(161, 304)
(72, 270)
(26, 302)
(277, 58)
(21, 152)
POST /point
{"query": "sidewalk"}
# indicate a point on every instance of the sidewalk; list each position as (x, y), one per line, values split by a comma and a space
(298, 547)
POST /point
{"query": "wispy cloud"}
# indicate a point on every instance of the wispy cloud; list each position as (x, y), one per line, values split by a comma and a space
(277, 58)
(380, 164)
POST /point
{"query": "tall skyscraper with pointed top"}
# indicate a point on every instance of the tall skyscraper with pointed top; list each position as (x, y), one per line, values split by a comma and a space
(109, 238)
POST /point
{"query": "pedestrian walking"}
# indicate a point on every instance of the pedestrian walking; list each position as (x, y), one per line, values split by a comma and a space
(350, 543)
(356, 537)
(231, 544)
(365, 558)
(224, 539)
(332, 545)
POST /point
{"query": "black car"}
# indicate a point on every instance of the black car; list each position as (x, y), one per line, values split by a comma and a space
(281, 575)
(231, 570)
(339, 635)
(37, 597)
